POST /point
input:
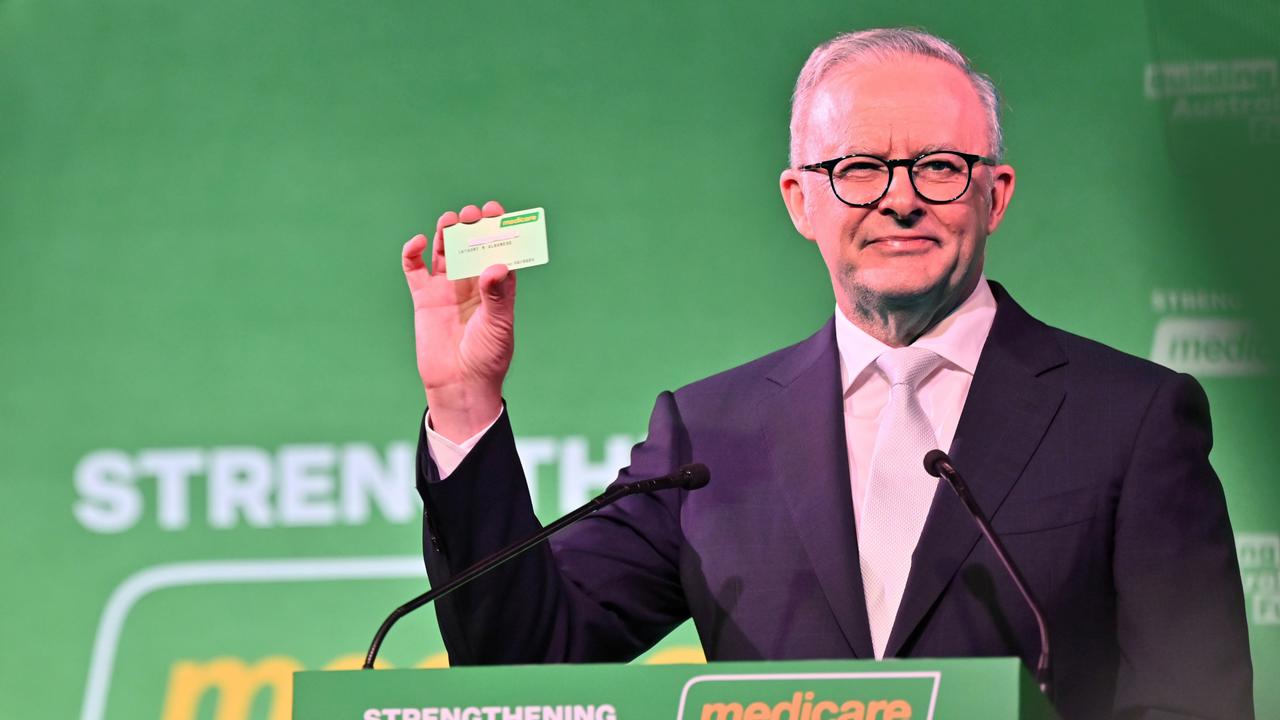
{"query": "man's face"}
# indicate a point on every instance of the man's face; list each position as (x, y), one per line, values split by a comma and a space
(903, 252)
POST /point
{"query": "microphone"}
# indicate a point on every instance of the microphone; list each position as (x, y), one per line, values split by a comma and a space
(687, 477)
(938, 464)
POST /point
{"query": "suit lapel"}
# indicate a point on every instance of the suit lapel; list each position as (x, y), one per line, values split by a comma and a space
(802, 425)
(1011, 402)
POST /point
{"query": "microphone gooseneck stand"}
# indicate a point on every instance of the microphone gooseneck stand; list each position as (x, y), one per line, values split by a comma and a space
(688, 477)
(938, 464)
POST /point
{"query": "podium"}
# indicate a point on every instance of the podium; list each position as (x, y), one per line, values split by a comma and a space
(989, 688)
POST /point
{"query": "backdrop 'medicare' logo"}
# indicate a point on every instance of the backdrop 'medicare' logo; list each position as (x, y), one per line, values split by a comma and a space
(811, 696)
(1203, 333)
(1259, 555)
(234, 684)
(1208, 346)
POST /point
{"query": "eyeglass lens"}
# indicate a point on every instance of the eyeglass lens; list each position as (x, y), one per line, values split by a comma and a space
(939, 177)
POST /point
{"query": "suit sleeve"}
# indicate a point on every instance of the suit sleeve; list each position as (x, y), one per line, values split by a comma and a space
(1181, 621)
(605, 589)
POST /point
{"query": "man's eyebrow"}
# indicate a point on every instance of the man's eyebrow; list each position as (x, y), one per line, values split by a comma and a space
(926, 149)
(864, 150)
(879, 152)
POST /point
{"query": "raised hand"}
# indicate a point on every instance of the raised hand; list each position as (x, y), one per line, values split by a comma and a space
(465, 331)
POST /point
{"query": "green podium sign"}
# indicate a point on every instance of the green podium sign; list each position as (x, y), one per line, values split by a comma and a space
(991, 688)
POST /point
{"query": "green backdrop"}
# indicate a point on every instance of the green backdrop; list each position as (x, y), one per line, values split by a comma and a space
(210, 398)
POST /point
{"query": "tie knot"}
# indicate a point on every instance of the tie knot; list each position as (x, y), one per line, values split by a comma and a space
(907, 365)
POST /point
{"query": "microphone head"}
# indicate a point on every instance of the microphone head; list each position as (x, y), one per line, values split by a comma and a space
(933, 460)
(692, 476)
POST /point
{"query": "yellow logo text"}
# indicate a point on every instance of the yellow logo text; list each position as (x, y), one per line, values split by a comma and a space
(801, 706)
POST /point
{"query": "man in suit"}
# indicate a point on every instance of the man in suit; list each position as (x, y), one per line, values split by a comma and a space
(820, 535)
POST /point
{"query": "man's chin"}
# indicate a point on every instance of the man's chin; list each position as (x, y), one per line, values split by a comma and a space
(892, 292)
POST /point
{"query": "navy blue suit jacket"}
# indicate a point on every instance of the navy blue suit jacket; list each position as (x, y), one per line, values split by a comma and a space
(1092, 464)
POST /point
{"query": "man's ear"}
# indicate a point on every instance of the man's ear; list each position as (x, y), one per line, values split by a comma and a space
(1003, 180)
(792, 188)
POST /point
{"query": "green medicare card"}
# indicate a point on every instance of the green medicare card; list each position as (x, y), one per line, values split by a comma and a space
(517, 239)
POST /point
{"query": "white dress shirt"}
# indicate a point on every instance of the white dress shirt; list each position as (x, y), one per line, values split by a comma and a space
(447, 454)
(958, 339)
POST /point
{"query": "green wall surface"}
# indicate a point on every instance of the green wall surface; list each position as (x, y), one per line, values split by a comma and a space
(210, 396)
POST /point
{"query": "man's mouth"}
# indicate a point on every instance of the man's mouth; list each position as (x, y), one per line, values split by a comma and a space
(902, 243)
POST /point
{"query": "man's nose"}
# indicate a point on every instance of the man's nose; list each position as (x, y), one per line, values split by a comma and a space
(901, 200)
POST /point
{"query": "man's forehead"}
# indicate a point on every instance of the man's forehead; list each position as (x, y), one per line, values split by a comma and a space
(905, 105)
(915, 130)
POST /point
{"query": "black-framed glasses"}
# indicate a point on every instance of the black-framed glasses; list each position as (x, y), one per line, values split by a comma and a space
(937, 177)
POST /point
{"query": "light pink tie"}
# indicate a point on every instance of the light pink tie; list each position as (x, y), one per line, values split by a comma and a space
(899, 491)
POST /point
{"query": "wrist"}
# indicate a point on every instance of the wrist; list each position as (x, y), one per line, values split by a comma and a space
(459, 412)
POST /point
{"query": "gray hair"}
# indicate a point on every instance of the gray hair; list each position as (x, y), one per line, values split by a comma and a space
(882, 43)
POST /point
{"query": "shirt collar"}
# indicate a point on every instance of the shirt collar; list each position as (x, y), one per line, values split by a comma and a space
(958, 339)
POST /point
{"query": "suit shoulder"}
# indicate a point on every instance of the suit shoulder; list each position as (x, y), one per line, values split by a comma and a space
(766, 369)
(1111, 367)
(1089, 363)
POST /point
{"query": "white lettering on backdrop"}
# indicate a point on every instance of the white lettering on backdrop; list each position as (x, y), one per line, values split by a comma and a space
(303, 485)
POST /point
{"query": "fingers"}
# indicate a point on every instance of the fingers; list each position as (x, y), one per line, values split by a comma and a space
(498, 291)
(468, 214)
(447, 219)
(437, 245)
(411, 254)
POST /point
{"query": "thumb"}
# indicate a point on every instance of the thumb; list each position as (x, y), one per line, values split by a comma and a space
(498, 291)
